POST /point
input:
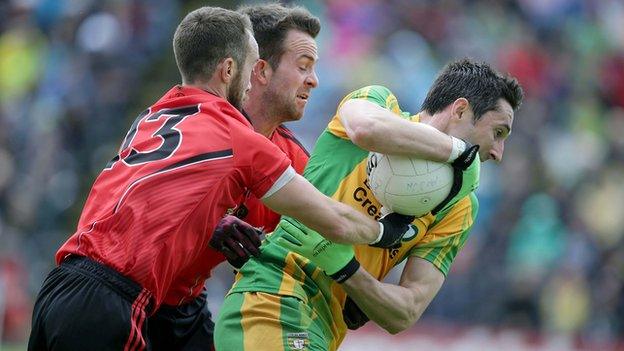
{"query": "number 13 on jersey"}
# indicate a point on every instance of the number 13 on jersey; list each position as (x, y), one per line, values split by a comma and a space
(165, 138)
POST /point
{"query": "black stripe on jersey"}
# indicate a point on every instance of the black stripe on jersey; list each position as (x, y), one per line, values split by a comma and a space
(288, 134)
(197, 158)
(216, 155)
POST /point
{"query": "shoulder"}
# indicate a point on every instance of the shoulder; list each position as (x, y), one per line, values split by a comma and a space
(377, 94)
(222, 111)
(370, 92)
(286, 138)
(460, 216)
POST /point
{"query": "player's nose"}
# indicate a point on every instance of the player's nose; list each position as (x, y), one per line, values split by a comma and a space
(312, 79)
(496, 153)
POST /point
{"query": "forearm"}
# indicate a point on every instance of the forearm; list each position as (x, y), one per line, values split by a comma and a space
(335, 221)
(359, 228)
(340, 223)
(393, 307)
(374, 128)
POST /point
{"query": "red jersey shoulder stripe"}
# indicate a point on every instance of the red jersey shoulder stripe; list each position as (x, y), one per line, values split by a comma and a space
(288, 134)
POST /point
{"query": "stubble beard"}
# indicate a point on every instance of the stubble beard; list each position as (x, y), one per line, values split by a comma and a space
(281, 106)
(236, 94)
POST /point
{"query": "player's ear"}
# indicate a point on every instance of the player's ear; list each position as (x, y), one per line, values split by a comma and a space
(460, 108)
(227, 70)
(262, 71)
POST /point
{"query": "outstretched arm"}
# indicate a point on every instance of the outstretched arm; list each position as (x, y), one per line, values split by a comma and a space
(338, 222)
(396, 307)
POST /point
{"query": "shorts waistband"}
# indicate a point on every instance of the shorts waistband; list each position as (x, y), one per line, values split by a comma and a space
(118, 282)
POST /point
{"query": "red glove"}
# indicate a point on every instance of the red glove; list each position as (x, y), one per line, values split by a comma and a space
(236, 240)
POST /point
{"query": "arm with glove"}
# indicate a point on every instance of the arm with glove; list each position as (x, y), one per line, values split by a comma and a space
(393, 307)
(238, 240)
(337, 260)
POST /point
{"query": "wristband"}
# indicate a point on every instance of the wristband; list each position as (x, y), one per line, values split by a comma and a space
(381, 232)
(347, 271)
(458, 147)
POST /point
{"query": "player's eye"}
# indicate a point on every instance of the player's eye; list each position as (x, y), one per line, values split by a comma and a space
(499, 133)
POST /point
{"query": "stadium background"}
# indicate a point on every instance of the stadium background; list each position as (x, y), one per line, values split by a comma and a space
(544, 268)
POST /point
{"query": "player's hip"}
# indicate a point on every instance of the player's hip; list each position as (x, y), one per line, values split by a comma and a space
(264, 321)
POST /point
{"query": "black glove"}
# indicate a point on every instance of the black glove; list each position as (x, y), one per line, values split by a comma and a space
(236, 240)
(353, 315)
(466, 169)
(395, 226)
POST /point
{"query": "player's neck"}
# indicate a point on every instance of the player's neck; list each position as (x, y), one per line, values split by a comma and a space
(261, 120)
(211, 87)
(438, 121)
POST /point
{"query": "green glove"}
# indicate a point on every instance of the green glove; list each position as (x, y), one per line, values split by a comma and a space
(337, 260)
(466, 168)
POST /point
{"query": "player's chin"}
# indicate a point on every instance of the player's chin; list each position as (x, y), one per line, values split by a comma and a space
(297, 113)
(484, 156)
(301, 102)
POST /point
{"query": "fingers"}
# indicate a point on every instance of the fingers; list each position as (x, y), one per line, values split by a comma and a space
(290, 226)
(245, 242)
(252, 234)
(235, 247)
(466, 158)
(229, 254)
(408, 219)
(290, 240)
(400, 219)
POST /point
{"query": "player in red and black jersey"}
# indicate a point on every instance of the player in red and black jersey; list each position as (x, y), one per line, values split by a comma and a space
(282, 81)
(153, 215)
(281, 84)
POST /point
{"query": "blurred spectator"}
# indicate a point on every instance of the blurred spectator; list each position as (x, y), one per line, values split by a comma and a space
(547, 251)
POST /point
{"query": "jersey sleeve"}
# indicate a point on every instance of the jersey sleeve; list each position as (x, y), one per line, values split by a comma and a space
(376, 94)
(262, 166)
(448, 235)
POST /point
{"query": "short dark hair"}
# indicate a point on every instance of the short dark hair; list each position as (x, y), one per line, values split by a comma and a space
(481, 85)
(271, 22)
(207, 36)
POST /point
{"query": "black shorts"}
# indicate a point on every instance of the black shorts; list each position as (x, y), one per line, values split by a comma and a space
(84, 305)
(184, 327)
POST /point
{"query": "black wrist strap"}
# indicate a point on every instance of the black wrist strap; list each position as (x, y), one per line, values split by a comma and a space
(347, 271)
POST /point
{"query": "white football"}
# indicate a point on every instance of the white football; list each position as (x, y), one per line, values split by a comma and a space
(408, 185)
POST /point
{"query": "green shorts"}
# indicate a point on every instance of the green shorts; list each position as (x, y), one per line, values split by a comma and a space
(257, 321)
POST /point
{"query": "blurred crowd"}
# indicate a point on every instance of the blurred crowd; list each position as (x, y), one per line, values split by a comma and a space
(547, 252)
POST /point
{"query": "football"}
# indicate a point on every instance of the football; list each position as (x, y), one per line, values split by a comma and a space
(408, 185)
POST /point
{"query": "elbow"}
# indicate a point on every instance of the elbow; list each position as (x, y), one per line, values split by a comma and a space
(363, 134)
(394, 331)
(398, 325)
(396, 328)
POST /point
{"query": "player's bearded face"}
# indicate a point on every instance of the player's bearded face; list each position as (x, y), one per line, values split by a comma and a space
(240, 84)
(236, 95)
(294, 77)
(283, 103)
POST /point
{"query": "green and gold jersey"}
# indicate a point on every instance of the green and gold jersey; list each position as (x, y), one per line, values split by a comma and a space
(337, 167)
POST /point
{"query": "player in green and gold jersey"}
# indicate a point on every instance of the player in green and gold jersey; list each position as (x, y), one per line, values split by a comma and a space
(294, 296)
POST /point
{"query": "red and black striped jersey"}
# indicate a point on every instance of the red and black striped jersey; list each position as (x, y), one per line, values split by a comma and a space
(185, 162)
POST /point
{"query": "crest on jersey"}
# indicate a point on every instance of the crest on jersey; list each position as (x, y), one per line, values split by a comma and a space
(410, 233)
(297, 341)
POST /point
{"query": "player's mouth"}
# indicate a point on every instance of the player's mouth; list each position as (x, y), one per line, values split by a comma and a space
(303, 97)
